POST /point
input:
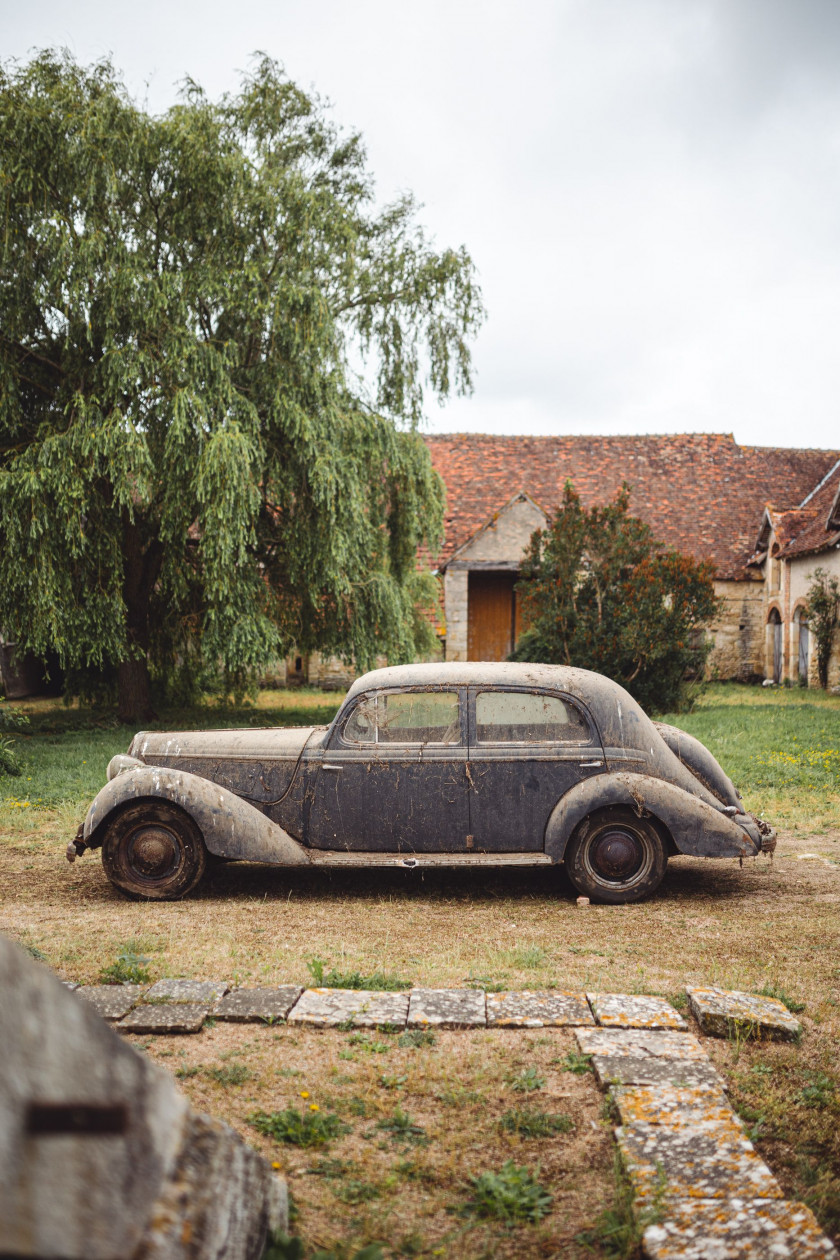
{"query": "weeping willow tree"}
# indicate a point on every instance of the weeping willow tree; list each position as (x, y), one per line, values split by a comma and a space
(214, 350)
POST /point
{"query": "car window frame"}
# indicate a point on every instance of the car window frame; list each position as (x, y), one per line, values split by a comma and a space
(374, 745)
(477, 689)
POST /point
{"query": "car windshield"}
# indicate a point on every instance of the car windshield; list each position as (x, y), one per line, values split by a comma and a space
(406, 717)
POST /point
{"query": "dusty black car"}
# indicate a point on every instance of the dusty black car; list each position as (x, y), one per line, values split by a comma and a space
(428, 765)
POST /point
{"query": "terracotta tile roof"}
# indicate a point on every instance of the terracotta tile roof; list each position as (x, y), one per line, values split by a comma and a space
(815, 525)
(700, 492)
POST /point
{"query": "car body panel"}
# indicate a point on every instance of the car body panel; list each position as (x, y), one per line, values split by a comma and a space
(315, 795)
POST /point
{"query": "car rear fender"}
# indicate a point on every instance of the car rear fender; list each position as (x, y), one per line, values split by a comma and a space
(231, 827)
(696, 828)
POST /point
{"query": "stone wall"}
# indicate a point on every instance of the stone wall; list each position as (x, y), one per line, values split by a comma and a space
(738, 633)
(799, 570)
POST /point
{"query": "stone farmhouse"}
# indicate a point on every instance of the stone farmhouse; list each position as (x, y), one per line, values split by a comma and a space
(764, 516)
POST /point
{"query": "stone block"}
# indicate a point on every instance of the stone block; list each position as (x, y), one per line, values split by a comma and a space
(721, 1012)
(552, 1009)
(168, 1017)
(639, 1044)
(187, 991)
(112, 1001)
(680, 1073)
(677, 1107)
(694, 1162)
(737, 1229)
(619, 1010)
(447, 1008)
(365, 1008)
(251, 1006)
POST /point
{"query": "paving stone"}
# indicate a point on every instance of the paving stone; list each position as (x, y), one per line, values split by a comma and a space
(674, 1106)
(720, 1011)
(695, 1162)
(112, 1001)
(737, 1229)
(681, 1073)
(552, 1009)
(250, 1006)
(639, 1043)
(325, 1008)
(447, 1008)
(72, 985)
(619, 1010)
(168, 1017)
(187, 991)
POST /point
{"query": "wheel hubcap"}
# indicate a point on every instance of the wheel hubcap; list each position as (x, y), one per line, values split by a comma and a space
(153, 853)
(617, 855)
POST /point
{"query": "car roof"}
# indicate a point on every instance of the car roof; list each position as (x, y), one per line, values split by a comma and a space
(578, 682)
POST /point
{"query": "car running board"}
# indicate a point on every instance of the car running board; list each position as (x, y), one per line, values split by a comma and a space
(327, 857)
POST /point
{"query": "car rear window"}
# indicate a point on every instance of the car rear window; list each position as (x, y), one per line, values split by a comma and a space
(524, 717)
(406, 717)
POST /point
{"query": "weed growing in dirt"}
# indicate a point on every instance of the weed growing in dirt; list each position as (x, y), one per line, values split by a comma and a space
(819, 1092)
(307, 1128)
(487, 983)
(231, 1074)
(532, 1123)
(617, 1233)
(416, 1039)
(402, 1128)
(771, 991)
(379, 980)
(128, 968)
(575, 1062)
(513, 1194)
(526, 1081)
(353, 1192)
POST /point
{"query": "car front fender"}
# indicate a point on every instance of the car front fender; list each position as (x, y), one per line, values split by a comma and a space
(697, 829)
(232, 828)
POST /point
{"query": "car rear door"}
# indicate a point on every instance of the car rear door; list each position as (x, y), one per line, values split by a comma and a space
(394, 777)
(526, 750)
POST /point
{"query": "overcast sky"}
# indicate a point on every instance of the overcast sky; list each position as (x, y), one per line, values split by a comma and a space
(650, 189)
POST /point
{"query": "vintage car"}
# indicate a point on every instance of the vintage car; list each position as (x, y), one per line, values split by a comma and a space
(458, 764)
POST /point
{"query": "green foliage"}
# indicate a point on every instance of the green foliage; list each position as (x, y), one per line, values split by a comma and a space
(402, 1128)
(823, 610)
(230, 1074)
(10, 720)
(773, 991)
(529, 1122)
(527, 1080)
(307, 1128)
(353, 1191)
(416, 1039)
(599, 592)
(618, 1230)
(332, 979)
(577, 1063)
(128, 968)
(819, 1092)
(189, 458)
(513, 1195)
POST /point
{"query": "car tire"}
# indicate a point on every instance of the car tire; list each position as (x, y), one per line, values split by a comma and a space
(153, 850)
(615, 856)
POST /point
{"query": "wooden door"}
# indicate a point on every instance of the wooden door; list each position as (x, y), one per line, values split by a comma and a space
(491, 616)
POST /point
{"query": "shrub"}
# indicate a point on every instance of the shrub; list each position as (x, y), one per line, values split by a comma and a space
(822, 611)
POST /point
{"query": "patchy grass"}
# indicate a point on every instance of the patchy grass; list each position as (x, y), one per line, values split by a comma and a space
(334, 979)
(769, 925)
(416, 1178)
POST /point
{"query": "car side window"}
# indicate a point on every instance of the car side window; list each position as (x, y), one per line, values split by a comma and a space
(525, 717)
(406, 717)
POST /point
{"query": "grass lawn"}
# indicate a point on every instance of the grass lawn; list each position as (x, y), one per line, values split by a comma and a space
(767, 924)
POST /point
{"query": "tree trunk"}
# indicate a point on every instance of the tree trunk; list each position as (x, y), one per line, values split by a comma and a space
(134, 702)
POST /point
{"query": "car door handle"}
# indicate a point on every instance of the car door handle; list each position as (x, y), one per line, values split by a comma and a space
(590, 765)
(326, 767)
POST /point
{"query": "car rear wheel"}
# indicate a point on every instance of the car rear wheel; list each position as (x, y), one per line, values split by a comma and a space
(153, 850)
(615, 856)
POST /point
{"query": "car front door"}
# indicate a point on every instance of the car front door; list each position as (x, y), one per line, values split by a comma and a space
(394, 777)
(527, 749)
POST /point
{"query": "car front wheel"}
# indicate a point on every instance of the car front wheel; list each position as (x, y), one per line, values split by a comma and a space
(615, 856)
(153, 850)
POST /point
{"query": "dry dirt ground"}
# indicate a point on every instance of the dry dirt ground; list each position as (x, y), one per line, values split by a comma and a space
(773, 924)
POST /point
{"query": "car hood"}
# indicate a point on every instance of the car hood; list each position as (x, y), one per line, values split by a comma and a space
(265, 743)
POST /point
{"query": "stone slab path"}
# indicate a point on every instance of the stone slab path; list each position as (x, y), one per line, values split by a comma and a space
(685, 1151)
